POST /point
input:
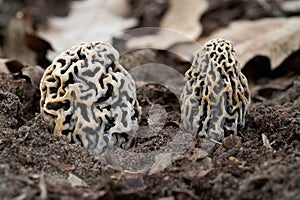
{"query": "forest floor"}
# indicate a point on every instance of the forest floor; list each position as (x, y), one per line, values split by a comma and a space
(261, 162)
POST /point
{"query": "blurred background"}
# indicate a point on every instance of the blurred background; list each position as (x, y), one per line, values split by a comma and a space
(264, 33)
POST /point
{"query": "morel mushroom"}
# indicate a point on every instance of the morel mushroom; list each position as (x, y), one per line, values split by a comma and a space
(216, 96)
(89, 97)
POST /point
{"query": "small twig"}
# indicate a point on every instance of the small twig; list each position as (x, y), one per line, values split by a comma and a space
(43, 188)
(266, 141)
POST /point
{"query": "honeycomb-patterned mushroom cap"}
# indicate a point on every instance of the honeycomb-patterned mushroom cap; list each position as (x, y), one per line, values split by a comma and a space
(89, 97)
(216, 96)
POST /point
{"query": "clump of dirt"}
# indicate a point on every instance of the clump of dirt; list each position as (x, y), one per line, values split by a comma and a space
(10, 108)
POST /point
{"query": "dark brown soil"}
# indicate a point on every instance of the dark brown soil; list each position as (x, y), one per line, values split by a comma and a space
(34, 165)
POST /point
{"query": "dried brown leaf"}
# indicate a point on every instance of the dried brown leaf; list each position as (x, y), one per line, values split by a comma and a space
(290, 6)
(157, 38)
(184, 16)
(180, 24)
(162, 161)
(4, 68)
(14, 42)
(33, 73)
(75, 181)
(88, 21)
(14, 66)
(275, 38)
(198, 154)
